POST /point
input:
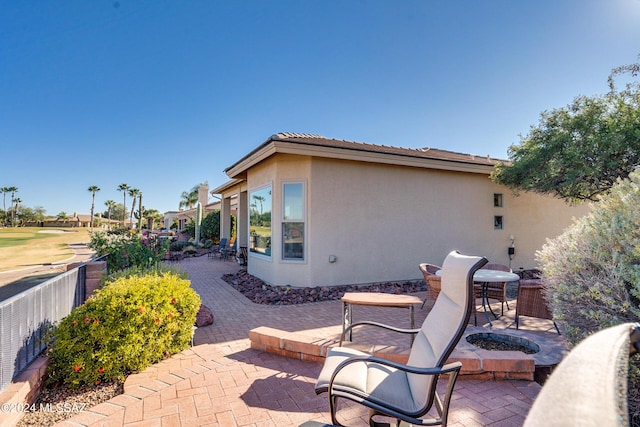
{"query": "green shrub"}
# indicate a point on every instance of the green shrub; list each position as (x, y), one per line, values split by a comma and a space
(593, 270)
(125, 327)
(210, 226)
(178, 245)
(189, 250)
(160, 269)
(128, 249)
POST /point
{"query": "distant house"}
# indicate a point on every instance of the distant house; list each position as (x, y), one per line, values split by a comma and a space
(75, 221)
(184, 216)
(318, 211)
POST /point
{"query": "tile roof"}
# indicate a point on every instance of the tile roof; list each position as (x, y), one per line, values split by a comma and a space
(427, 153)
(311, 144)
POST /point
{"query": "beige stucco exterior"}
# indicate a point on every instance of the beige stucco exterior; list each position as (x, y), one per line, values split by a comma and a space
(380, 220)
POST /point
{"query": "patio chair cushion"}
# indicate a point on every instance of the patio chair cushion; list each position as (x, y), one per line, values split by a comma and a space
(364, 379)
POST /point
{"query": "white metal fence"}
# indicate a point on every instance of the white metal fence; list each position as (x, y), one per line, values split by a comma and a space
(26, 317)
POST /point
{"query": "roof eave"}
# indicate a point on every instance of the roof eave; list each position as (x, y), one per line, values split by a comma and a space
(272, 147)
(226, 186)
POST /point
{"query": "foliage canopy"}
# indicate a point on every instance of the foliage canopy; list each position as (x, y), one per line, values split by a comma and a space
(577, 152)
(128, 325)
(593, 271)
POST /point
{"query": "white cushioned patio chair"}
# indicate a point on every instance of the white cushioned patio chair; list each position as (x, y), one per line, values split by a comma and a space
(408, 392)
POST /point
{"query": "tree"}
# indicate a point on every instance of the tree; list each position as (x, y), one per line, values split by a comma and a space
(579, 151)
(124, 187)
(62, 216)
(592, 271)
(93, 189)
(110, 205)
(5, 190)
(210, 226)
(26, 215)
(190, 198)
(115, 210)
(134, 193)
(39, 213)
(13, 191)
(16, 201)
(155, 216)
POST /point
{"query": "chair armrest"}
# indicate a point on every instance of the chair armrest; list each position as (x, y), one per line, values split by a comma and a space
(449, 367)
(379, 325)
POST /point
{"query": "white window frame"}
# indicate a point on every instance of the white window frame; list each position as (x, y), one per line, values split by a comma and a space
(249, 198)
(303, 220)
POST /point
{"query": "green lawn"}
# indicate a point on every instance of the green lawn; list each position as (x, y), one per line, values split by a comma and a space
(17, 238)
(34, 245)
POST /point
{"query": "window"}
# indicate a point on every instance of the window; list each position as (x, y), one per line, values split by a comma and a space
(260, 221)
(497, 200)
(497, 222)
(293, 221)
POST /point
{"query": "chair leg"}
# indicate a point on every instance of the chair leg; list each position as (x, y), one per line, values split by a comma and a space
(373, 423)
(333, 407)
(376, 424)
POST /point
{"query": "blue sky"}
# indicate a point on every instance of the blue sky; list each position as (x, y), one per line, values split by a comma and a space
(165, 94)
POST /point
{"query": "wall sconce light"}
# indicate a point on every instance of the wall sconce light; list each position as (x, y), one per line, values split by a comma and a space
(511, 250)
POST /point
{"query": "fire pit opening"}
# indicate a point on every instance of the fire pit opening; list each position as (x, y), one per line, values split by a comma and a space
(502, 342)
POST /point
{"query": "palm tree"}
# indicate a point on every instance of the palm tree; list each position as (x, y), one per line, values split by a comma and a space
(124, 187)
(62, 216)
(17, 202)
(94, 189)
(189, 198)
(5, 190)
(134, 193)
(13, 191)
(110, 205)
(154, 215)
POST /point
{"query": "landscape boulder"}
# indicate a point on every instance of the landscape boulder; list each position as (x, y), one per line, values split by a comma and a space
(204, 316)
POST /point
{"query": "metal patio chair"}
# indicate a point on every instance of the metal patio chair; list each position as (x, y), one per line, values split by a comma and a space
(408, 392)
(432, 280)
(218, 249)
(531, 301)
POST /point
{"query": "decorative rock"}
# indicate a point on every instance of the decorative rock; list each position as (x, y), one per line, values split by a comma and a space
(259, 292)
(204, 316)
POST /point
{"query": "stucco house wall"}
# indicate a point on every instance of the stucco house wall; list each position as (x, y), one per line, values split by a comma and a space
(379, 220)
(388, 219)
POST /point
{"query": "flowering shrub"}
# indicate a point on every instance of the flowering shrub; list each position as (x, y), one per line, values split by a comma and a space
(128, 249)
(125, 327)
(593, 270)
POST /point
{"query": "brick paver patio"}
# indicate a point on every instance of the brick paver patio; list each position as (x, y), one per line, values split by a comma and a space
(222, 382)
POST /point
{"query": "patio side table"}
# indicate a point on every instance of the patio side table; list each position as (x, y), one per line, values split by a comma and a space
(378, 299)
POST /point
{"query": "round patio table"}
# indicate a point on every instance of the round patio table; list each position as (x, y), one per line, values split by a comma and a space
(484, 277)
